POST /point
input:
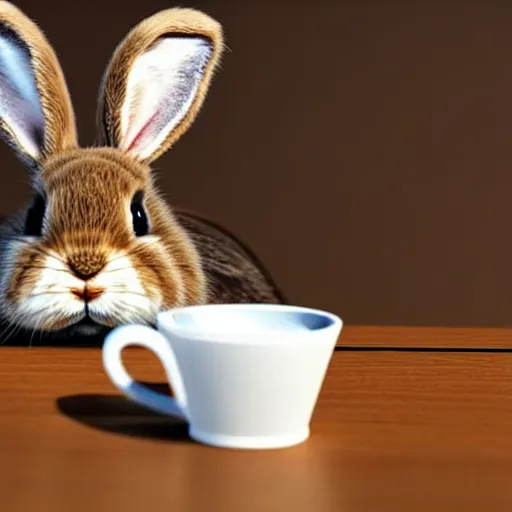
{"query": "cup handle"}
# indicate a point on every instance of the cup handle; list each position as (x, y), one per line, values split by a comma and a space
(143, 336)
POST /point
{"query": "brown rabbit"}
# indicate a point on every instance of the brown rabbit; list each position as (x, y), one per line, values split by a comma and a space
(98, 247)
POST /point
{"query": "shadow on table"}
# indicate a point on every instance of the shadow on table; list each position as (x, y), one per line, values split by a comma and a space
(118, 415)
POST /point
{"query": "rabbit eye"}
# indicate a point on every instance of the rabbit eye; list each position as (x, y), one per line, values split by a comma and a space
(139, 217)
(35, 217)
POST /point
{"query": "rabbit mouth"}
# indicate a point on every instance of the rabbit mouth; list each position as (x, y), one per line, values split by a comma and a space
(94, 323)
(84, 326)
(87, 327)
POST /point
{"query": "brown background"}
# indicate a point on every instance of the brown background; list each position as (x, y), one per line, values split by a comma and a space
(363, 149)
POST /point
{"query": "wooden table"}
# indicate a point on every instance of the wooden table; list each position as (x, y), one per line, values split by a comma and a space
(394, 430)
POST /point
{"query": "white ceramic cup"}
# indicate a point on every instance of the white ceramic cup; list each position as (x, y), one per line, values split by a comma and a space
(243, 375)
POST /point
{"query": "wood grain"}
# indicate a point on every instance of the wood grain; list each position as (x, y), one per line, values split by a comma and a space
(392, 431)
(425, 337)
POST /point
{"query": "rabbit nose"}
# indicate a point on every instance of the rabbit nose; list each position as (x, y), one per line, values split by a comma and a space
(86, 266)
(84, 275)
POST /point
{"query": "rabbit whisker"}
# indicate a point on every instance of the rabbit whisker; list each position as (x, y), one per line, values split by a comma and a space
(14, 329)
(32, 337)
(134, 250)
(128, 267)
(49, 292)
(118, 291)
(40, 250)
(125, 292)
(42, 267)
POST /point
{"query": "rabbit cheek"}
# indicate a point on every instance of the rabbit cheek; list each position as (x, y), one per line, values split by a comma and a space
(26, 271)
(50, 305)
(37, 294)
(124, 299)
(161, 276)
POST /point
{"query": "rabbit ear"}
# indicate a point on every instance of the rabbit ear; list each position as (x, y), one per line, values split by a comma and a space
(157, 80)
(36, 116)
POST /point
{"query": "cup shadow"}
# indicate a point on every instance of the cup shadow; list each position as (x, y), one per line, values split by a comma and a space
(119, 415)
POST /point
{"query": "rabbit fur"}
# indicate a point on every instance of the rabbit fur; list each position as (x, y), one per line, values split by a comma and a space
(97, 246)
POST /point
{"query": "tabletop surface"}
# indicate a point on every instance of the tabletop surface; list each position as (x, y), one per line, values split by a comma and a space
(404, 338)
(393, 430)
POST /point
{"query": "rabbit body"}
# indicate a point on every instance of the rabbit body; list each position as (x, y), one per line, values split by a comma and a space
(98, 246)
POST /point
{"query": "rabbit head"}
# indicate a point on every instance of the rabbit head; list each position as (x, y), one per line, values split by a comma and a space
(97, 245)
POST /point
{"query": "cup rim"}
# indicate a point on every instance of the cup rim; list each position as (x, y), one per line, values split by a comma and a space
(164, 320)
